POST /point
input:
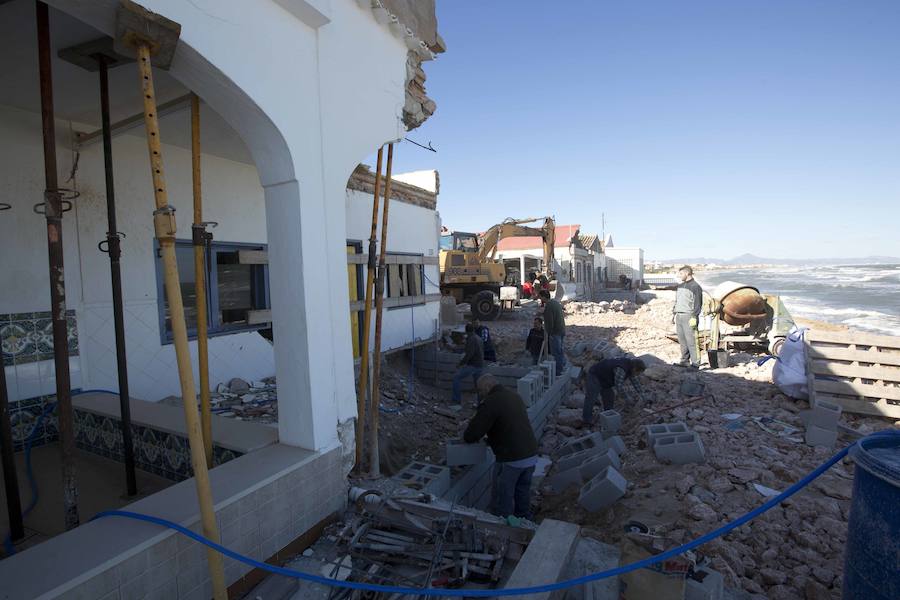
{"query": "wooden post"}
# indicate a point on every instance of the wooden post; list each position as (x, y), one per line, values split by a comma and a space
(200, 241)
(164, 225)
(362, 392)
(374, 463)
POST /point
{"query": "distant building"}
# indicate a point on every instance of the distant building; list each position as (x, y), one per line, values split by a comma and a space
(628, 261)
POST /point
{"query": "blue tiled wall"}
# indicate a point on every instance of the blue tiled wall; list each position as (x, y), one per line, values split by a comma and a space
(28, 337)
(159, 452)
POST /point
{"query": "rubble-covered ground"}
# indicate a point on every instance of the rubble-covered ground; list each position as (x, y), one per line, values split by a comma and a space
(793, 551)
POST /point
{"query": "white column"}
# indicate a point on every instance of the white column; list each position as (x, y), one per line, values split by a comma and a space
(301, 318)
(522, 269)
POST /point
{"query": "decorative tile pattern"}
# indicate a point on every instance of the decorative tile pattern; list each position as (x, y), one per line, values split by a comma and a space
(159, 452)
(28, 337)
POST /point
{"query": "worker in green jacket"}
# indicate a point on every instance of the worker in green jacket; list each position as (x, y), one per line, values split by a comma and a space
(502, 417)
(555, 326)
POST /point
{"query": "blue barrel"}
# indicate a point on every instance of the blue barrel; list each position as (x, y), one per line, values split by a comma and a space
(872, 555)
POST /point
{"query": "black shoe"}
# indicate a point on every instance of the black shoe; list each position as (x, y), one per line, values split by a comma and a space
(682, 363)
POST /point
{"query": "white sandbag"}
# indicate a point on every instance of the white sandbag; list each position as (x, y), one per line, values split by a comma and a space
(789, 373)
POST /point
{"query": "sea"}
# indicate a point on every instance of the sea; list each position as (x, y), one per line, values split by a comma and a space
(865, 297)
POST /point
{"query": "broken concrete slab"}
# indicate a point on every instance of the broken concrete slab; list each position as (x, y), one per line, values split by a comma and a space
(545, 560)
(603, 490)
(679, 449)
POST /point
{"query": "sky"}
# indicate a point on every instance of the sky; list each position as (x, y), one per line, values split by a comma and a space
(698, 128)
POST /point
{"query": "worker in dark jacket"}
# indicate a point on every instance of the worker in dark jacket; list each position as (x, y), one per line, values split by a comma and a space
(685, 313)
(472, 363)
(555, 326)
(607, 378)
(501, 417)
(487, 344)
(535, 341)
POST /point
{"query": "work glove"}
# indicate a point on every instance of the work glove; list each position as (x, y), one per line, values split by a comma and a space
(693, 322)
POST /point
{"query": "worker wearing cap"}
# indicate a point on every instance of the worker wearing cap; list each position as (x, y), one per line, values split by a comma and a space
(502, 417)
(685, 313)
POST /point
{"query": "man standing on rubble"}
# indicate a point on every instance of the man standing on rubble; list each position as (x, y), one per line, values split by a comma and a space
(688, 304)
(501, 416)
(472, 363)
(555, 326)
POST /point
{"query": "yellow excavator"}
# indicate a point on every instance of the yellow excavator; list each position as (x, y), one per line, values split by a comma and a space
(470, 271)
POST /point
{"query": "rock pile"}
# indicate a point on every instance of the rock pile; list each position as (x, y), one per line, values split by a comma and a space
(597, 308)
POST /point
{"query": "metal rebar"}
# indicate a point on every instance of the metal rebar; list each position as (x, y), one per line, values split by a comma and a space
(53, 211)
(10, 480)
(115, 253)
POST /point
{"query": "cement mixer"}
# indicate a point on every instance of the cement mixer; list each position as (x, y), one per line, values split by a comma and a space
(742, 315)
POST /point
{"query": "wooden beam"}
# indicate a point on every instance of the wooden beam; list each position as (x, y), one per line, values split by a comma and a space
(253, 257)
(852, 337)
(258, 317)
(848, 388)
(891, 374)
(863, 356)
(878, 408)
(398, 302)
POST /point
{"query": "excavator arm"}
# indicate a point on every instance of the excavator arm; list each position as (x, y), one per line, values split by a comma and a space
(487, 247)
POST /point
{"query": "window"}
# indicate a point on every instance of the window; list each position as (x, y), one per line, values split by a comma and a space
(237, 288)
(405, 279)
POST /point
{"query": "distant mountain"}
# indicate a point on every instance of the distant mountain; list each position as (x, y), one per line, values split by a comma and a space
(752, 259)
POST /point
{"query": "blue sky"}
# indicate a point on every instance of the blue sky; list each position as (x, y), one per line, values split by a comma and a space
(699, 128)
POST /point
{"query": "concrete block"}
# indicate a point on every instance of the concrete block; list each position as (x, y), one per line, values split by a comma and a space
(549, 369)
(654, 431)
(595, 465)
(563, 479)
(461, 453)
(704, 584)
(679, 448)
(825, 415)
(611, 421)
(617, 444)
(570, 461)
(546, 558)
(582, 443)
(432, 479)
(603, 490)
(817, 436)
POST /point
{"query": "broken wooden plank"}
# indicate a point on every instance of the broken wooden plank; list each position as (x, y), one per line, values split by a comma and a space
(878, 408)
(850, 388)
(852, 338)
(253, 257)
(863, 372)
(864, 356)
(546, 558)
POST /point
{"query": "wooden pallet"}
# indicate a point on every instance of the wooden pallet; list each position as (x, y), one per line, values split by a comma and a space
(858, 371)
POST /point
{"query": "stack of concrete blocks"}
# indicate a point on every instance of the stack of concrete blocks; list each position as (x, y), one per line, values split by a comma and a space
(548, 367)
(424, 477)
(675, 443)
(540, 411)
(531, 388)
(821, 430)
(460, 453)
(594, 460)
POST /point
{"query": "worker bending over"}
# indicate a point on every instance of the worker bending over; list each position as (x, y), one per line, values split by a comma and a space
(471, 365)
(555, 326)
(607, 378)
(501, 416)
(688, 304)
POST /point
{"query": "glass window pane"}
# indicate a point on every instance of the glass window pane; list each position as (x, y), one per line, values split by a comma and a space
(235, 288)
(185, 258)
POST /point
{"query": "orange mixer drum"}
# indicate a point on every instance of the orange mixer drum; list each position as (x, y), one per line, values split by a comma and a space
(741, 303)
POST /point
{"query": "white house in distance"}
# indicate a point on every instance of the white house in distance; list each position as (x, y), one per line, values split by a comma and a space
(295, 93)
(628, 261)
(575, 265)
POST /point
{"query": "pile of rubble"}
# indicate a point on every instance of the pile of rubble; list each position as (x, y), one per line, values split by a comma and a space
(247, 401)
(596, 308)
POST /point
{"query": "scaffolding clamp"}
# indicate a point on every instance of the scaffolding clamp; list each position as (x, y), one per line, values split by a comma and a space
(199, 235)
(164, 223)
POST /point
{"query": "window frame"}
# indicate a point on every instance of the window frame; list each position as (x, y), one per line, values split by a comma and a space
(261, 296)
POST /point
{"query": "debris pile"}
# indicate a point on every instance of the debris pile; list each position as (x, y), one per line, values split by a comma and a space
(238, 399)
(596, 308)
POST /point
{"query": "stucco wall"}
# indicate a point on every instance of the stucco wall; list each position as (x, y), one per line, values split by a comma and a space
(233, 198)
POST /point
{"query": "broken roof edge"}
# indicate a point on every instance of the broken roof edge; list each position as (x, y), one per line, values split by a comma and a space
(363, 180)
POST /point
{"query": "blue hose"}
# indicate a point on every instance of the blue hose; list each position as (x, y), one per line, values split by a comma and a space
(641, 564)
(8, 545)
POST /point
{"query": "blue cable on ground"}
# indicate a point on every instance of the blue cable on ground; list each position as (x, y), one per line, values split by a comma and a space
(459, 593)
(8, 545)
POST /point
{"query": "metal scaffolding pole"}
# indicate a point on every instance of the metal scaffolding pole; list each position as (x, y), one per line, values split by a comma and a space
(113, 238)
(53, 211)
(10, 479)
